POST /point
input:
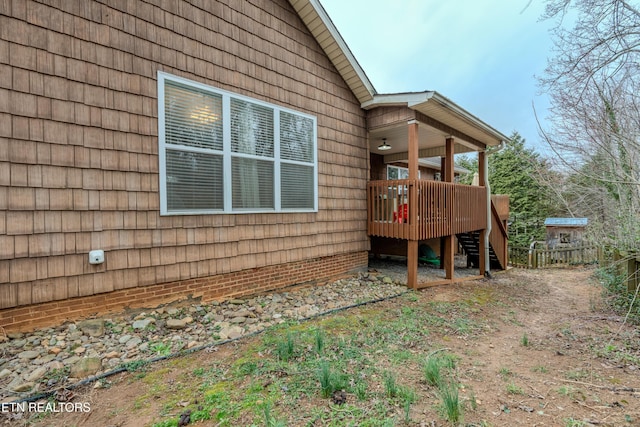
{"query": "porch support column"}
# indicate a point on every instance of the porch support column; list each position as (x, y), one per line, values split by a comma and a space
(482, 253)
(412, 243)
(449, 160)
(448, 249)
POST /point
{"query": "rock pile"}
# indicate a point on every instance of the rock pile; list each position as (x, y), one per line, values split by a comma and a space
(52, 358)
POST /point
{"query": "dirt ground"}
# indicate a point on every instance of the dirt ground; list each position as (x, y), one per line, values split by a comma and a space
(548, 354)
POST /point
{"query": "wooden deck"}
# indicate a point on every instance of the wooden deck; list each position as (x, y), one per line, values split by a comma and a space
(441, 209)
(419, 210)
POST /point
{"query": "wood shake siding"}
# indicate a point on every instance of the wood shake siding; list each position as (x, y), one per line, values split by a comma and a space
(79, 146)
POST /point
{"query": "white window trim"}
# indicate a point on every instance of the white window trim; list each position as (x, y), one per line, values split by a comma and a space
(227, 153)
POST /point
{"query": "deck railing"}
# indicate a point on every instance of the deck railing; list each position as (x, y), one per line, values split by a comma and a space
(501, 203)
(421, 210)
(499, 235)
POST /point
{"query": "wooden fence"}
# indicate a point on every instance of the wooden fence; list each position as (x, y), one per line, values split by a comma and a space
(626, 264)
(541, 258)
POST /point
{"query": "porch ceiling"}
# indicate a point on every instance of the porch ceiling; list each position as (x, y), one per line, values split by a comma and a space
(431, 142)
(438, 119)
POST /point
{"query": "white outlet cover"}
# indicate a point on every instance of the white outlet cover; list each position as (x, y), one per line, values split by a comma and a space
(96, 257)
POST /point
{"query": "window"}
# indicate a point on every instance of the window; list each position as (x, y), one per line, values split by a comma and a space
(398, 172)
(225, 153)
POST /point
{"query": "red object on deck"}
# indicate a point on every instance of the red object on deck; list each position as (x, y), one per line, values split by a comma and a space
(402, 216)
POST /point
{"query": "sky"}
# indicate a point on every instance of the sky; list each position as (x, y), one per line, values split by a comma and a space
(484, 55)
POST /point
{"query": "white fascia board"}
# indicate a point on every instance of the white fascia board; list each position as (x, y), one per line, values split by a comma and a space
(398, 99)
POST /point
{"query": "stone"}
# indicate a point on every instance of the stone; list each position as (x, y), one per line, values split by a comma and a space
(231, 333)
(236, 301)
(85, 367)
(20, 388)
(123, 339)
(142, 323)
(238, 320)
(244, 313)
(4, 373)
(19, 343)
(178, 323)
(172, 311)
(92, 327)
(192, 344)
(36, 374)
(15, 335)
(55, 365)
(112, 363)
(28, 354)
(71, 360)
(133, 342)
(44, 359)
(112, 355)
(387, 280)
(54, 350)
(79, 350)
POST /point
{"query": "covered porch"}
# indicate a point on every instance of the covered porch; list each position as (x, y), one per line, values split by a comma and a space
(404, 128)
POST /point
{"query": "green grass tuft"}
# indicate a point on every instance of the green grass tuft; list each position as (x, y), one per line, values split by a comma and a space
(452, 410)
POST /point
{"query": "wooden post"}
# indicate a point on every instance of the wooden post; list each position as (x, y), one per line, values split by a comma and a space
(412, 244)
(449, 251)
(412, 264)
(413, 149)
(448, 257)
(449, 160)
(482, 172)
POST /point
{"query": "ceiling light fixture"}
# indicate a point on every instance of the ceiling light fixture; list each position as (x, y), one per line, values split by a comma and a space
(384, 146)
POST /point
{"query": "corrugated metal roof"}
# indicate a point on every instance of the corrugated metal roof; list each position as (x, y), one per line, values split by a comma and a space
(566, 222)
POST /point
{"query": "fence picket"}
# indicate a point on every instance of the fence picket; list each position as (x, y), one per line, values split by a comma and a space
(540, 258)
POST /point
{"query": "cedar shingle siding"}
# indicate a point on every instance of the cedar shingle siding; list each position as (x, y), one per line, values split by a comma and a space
(79, 143)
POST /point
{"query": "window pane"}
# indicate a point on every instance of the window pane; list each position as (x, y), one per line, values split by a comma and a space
(194, 181)
(251, 128)
(192, 117)
(252, 182)
(392, 172)
(296, 137)
(296, 185)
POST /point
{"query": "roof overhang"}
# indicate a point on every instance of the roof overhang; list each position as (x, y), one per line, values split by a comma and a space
(440, 112)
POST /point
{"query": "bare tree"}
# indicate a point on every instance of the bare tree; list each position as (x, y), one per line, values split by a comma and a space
(593, 81)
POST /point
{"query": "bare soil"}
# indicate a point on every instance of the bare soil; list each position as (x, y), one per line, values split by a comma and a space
(548, 353)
